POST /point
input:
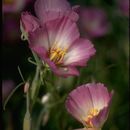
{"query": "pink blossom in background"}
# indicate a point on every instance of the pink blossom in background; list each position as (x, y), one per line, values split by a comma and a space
(89, 104)
(14, 6)
(93, 22)
(124, 7)
(58, 43)
(11, 32)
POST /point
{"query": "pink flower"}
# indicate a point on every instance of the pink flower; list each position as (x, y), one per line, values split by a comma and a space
(46, 10)
(93, 22)
(124, 7)
(59, 45)
(10, 29)
(89, 104)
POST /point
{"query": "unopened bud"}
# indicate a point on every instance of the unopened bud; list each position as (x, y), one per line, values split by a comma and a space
(26, 87)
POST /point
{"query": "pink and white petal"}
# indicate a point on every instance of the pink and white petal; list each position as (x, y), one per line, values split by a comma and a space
(72, 15)
(28, 22)
(62, 71)
(39, 39)
(52, 15)
(99, 120)
(79, 53)
(79, 103)
(62, 32)
(50, 5)
(100, 95)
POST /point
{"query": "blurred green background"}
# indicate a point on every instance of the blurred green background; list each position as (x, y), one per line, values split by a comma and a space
(110, 66)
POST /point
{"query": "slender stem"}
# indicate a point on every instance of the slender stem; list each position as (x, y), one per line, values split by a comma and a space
(12, 94)
(27, 118)
(36, 58)
(35, 83)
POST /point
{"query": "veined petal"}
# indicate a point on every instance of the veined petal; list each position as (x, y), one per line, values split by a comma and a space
(79, 102)
(99, 120)
(29, 22)
(48, 10)
(62, 32)
(39, 39)
(100, 95)
(62, 71)
(51, 5)
(79, 53)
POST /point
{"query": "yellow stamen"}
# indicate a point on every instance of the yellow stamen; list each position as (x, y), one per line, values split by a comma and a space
(57, 54)
(93, 112)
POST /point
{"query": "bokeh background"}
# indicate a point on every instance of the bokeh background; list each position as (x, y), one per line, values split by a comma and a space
(105, 23)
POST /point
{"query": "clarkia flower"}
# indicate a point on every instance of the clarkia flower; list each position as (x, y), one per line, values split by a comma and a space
(93, 22)
(46, 10)
(89, 104)
(59, 45)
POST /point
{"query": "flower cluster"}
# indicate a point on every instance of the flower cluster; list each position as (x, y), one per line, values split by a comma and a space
(54, 36)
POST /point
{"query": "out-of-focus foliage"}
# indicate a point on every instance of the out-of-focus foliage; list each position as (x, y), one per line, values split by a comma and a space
(110, 66)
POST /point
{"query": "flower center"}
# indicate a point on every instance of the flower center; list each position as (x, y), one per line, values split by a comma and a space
(93, 112)
(57, 54)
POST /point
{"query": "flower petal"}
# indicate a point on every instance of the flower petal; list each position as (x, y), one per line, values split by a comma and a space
(99, 120)
(39, 40)
(62, 32)
(48, 10)
(29, 22)
(50, 5)
(79, 53)
(61, 71)
(100, 95)
(79, 103)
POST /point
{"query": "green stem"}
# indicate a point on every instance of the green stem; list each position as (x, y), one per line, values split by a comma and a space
(36, 58)
(35, 83)
(6, 101)
(27, 118)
